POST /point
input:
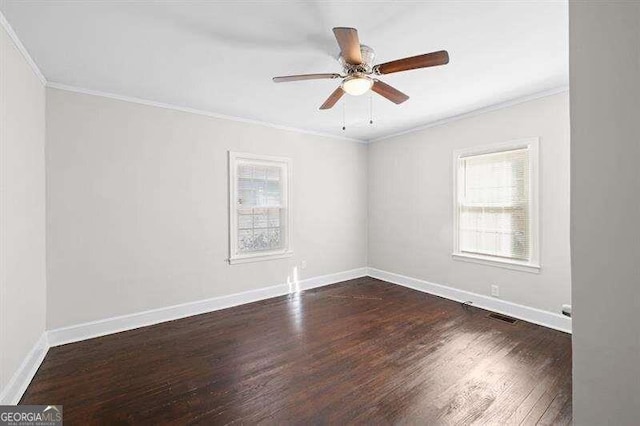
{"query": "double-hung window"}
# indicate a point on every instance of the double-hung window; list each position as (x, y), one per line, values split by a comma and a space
(260, 208)
(496, 205)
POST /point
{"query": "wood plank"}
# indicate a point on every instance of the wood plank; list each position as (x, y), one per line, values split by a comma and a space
(362, 351)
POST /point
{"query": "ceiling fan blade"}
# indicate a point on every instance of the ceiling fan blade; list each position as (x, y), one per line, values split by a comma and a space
(384, 90)
(421, 61)
(300, 77)
(331, 100)
(349, 44)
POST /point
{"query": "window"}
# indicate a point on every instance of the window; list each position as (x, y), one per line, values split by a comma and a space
(260, 210)
(496, 205)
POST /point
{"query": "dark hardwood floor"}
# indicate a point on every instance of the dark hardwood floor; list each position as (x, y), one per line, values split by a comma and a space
(362, 351)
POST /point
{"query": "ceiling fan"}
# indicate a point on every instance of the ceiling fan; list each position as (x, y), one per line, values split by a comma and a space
(359, 72)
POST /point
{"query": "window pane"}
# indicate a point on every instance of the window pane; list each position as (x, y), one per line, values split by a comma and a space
(274, 218)
(245, 220)
(259, 173)
(274, 238)
(245, 240)
(259, 185)
(260, 229)
(260, 206)
(260, 218)
(493, 204)
(245, 171)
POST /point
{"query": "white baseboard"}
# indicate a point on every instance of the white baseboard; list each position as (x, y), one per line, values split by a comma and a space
(18, 383)
(88, 330)
(323, 280)
(536, 316)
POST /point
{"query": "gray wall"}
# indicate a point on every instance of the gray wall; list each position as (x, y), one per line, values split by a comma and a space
(22, 209)
(411, 197)
(137, 208)
(605, 209)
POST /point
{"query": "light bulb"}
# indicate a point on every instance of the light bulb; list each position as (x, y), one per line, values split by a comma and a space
(357, 85)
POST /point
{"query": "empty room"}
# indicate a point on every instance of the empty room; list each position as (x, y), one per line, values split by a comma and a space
(310, 212)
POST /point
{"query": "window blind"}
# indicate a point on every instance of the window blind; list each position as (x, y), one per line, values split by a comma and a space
(493, 204)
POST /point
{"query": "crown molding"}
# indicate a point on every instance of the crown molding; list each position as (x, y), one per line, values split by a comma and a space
(16, 41)
(34, 67)
(476, 112)
(440, 122)
(147, 102)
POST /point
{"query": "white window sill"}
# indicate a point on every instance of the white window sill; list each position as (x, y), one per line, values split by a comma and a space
(494, 261)
(259, 257)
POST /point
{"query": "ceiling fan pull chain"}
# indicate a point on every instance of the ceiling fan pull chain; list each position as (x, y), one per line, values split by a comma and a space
(358, 71)
(344, 115)
(370, 108)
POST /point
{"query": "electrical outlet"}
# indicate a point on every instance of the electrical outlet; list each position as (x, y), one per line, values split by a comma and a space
(495, 291)
(303, 264)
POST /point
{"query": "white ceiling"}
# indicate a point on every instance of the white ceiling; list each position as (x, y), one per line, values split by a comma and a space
(220, 56)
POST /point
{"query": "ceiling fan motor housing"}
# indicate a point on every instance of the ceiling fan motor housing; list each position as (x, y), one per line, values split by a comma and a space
(359, 72)
(368, 56)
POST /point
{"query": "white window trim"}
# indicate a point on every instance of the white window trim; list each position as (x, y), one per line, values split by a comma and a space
(534, 204)
(235, 258)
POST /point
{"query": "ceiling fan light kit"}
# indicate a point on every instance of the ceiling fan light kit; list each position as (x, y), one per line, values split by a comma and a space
(357, 84)
(357, 64)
